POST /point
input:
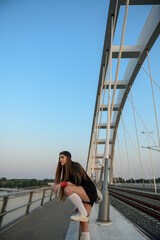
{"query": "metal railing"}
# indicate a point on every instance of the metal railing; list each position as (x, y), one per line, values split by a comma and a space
(17, 205)
(148, 187)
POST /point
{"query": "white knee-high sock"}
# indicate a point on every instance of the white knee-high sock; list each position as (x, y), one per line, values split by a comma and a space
(85, 236)
(76, 200)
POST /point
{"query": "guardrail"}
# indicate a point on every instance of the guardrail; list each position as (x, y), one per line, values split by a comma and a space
(17, 205)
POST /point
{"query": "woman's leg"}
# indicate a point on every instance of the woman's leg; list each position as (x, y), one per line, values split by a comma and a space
(85, 235)
(84, 225)
(69, 190)
(76, 195)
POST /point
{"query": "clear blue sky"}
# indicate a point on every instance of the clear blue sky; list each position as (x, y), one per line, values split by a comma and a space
(49, 68)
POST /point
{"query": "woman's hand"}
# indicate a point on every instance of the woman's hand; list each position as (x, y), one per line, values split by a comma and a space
(56, 187)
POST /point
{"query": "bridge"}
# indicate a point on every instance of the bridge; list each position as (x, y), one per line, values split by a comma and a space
(113, 142)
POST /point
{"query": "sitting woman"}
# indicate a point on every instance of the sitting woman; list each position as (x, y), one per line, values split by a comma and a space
(75, 185)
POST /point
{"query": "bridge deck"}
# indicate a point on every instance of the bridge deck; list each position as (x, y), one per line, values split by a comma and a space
(50, 222)
(119, 229)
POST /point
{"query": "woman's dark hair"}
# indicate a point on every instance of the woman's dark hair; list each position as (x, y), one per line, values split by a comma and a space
(63, 173)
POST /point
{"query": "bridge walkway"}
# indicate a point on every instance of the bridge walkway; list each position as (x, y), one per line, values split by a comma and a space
(119, 229)
(50, 222)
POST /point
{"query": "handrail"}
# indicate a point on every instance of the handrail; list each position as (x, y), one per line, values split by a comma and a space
(30, 193)
(26, 191)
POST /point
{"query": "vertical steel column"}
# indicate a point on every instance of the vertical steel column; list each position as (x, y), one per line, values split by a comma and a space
(103, 215)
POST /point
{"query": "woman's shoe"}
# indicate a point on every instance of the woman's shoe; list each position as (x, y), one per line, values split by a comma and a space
(80, 217)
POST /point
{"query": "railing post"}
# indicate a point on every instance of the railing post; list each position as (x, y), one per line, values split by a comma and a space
(29, 202)
(51, 195)
(43, 196)
(3, 209)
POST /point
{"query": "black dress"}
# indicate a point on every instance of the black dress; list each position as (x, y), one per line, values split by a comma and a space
(83, 180)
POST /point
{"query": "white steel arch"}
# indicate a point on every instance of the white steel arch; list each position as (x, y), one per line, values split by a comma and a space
(137, 55)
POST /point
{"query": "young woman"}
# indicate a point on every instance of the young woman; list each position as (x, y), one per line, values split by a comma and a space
(75, 185)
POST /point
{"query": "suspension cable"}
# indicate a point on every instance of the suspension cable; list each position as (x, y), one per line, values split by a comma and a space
(139, 154)
(116, 175)
(93, 159)
(110, 62)
(143, 167)
(95, 138)
(119, 56)
(153, 98)
(149, 75)
(127, 149)
(106, 75)
(106, 68)
(142, 122)
(122, 150)
(131, 140)
(155, 186)
(117, 178)
(122, 172)
(102, 106)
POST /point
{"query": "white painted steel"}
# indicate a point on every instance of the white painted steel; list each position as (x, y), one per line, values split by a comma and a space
(119, 56)
(129, 168)
(121, 84)
(153, 98)
(105, 107)
(155, 186)
(125, 51)
(146, 40)
(139, 153)
(149, 76)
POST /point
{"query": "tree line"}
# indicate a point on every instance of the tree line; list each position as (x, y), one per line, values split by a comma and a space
(23, 183)
(29, 183)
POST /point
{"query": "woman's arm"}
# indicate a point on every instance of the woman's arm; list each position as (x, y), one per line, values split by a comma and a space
(70, 184)
(57, 186)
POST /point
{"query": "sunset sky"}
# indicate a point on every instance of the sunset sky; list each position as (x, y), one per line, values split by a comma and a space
(50, 61)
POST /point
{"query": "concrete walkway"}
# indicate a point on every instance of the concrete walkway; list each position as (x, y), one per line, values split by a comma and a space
(120, 229)
(50, 222)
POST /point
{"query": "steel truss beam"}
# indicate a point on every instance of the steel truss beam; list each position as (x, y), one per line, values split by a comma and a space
(147, 38)
(137, 55)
